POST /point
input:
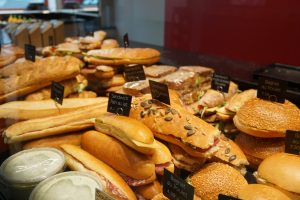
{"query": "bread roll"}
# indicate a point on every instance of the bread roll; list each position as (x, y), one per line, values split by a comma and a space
(119, 156)
(130, 131)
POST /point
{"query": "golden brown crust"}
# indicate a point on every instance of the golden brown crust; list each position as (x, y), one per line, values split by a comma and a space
(259, 191)
(104, 71)
(230, 153)
(130, 131)
(24, 110)
(80, 160)
(118, 80)
(70, 86)
(239, 99)
(283, 170)
(257, 149)
(45, 70)
(120, 56)
(160, 196)
(109, 44)
(6, 59)
(54, 125)
(83, 95)
(150, 190)
(118, 155)
(262, 118)
(54, 141)
(173, 122)
(215, 179)
(158, 71)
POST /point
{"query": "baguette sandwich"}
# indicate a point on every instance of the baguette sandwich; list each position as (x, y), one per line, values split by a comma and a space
(80, 160)
(122, 56)
(54, 125)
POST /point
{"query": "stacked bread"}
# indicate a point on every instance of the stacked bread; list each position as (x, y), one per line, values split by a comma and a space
(263, 125)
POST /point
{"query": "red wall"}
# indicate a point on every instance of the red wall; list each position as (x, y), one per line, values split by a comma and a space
(263, 31)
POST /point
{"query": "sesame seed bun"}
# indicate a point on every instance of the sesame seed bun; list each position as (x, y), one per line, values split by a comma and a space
(215, 179)
(257, 149)
(267, 119)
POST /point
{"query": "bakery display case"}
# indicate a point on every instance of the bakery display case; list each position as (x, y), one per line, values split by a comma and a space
(109, 100)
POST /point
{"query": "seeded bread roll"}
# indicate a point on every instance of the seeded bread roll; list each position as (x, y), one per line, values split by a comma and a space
(215, 179)
(266, 119)
(257, 149)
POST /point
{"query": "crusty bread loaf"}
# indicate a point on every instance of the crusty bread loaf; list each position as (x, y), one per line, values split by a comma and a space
(54, 125)
(6, 59)
(118, 155)
(24, 110)
(54, 141)
(238, 100)
(121, 56)
(80, 160)
(157, 71)
(42, 74)
(84, 94)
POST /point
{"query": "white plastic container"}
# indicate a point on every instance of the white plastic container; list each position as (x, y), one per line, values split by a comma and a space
(21, 172)
(67, 186)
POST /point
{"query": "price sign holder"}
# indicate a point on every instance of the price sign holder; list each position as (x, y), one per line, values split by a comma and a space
(134, 73)
(159, 91)
(57, 92)
(126, 40)
(271, 89)
(30, 52)
(175, 188)
(225, 197)
(220, 83)
(119, 104)
(292, 142)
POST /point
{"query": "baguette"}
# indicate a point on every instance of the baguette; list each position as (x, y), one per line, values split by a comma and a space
(41, 74)
(133, 164)
(121, 56)
(54, 125)
(70, 86)
(24, 110)
(55, 141)
(80, 160)
(175, 125)
(130, 131)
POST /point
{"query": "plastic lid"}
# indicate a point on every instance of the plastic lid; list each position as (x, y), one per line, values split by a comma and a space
(67, 186)
(32, 166)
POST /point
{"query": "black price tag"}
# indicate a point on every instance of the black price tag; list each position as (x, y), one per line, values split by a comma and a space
(126, 40)
(271, 89)
(119, 104)
(30, 52)
(99, 195)
(50, 40)
(134, 73)
(159, 91)
(175, 188)
(225, 197)
(57, 92)
(292, 142)
(220, 83)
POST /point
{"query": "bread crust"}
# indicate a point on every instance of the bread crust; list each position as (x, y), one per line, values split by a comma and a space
(54, 141)
(215, 179)
(118, 155)
(150, 190)
(267, 119)
(283, 170)
(80, 160)
(239, 99)
(130, 131)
